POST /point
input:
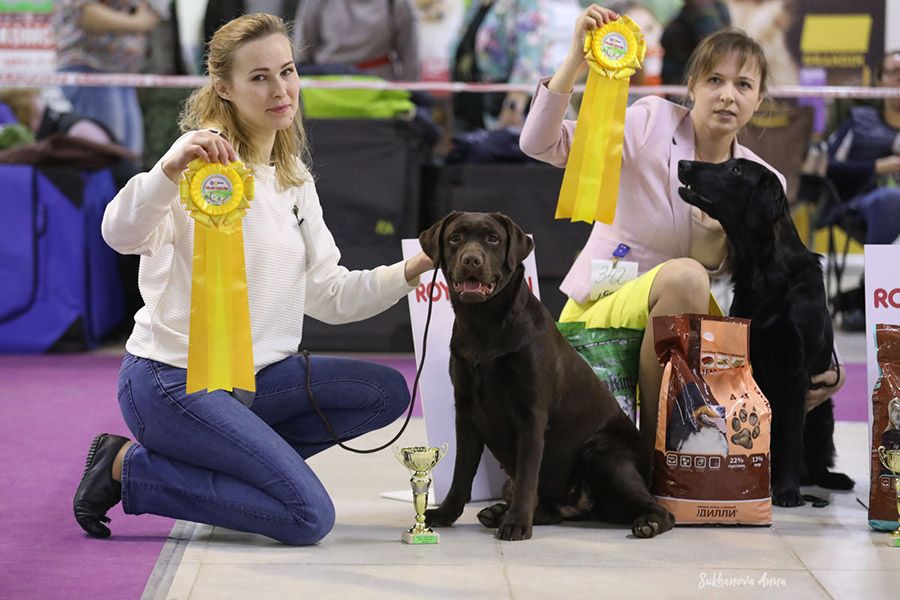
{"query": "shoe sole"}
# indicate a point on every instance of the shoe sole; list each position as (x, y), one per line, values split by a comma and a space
(88, 463)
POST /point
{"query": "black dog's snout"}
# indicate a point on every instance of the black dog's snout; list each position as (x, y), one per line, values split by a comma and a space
(684, 166)
(473, 260)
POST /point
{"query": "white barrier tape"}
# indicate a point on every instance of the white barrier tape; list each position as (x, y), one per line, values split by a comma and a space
(194, 81)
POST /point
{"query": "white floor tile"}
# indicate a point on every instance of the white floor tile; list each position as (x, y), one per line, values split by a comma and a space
(544, 583)
(859, 585)
(400, 581)
(808, 552)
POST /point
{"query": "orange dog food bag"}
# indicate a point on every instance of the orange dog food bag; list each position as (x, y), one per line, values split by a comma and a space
(711, 456)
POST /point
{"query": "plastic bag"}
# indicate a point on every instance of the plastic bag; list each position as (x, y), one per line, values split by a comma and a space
(613, 354)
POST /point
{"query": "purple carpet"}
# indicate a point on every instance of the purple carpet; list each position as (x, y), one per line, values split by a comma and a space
(50, 409)
(851, 403)
(51, 406)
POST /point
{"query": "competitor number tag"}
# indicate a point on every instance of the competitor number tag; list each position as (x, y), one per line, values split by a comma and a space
(607, 276)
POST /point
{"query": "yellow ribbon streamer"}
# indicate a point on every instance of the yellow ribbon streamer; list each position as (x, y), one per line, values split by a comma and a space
(590, 185)
(220, 347)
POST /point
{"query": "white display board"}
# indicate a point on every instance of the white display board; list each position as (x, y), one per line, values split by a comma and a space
(882, 304)
(435, 388)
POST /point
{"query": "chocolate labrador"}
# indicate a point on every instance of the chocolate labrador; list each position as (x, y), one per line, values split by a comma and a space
(521, 390)
(778, 285)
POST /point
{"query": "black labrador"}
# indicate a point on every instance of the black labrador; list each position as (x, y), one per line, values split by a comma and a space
(778, 285)
(521, 390)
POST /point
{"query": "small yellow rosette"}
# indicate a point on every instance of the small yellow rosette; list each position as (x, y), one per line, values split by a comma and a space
(590, 185)
(220, 348)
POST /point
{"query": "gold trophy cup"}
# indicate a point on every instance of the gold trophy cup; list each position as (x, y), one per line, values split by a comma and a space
(891, 461)
(420, 460)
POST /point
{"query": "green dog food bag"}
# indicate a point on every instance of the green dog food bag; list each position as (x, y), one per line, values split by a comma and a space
(613, 354)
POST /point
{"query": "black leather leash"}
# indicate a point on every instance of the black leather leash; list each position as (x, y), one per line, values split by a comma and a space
(334, 436)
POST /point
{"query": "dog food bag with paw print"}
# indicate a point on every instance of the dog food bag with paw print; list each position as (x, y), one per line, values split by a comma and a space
(711, 457)
(883, 498)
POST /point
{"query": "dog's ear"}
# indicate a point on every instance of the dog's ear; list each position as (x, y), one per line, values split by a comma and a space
(768, 202)
(518, 245)
(431, 239)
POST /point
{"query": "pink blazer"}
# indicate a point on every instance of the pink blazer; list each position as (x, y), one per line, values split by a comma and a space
(651, 217)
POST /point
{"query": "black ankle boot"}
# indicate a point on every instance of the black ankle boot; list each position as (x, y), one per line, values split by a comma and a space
(98, 491)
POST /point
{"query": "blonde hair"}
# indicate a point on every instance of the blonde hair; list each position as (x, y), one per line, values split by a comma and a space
(205, 108)
(714, 48)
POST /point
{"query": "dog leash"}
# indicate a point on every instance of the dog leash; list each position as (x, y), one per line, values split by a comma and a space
(334, 436)
(835, 367)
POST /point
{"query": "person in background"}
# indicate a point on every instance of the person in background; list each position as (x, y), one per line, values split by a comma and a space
(219, 12)
(106, 36)
(32, 111)
(238, 459)
(378, 37)
(696, 20)
(650, 72)
(510, 41)
(864, 165)
(864, 159)
(676, 246)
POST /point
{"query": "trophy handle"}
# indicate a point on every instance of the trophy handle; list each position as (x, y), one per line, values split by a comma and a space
(882, 454)
(443, 451)
(398, 453)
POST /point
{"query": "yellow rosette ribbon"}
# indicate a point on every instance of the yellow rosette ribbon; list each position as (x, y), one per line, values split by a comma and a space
(220, 348)
(590, 185)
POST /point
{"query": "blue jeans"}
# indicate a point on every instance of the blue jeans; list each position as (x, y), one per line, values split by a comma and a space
(881, 209)
(206, 457)
(116, 107)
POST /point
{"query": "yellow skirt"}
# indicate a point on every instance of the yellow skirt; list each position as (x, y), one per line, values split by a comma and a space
(626, 307)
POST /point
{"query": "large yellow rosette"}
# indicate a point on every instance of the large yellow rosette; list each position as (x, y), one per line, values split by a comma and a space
(220, 349)
(591, 182)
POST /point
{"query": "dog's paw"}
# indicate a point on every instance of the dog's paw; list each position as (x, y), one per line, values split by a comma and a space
(816, 501)
(648, 526)
(492, 516)
(441, 517)
(835, 481)
(787, 497)
(512, 530)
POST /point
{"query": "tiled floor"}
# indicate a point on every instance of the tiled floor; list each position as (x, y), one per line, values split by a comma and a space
(808, 552)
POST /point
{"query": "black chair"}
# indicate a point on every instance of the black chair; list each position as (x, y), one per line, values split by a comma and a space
(829, 211)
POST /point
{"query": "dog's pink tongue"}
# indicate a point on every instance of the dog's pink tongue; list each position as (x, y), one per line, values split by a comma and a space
(470, 285)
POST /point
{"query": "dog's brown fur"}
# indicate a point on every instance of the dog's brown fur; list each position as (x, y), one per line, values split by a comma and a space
(523, 391)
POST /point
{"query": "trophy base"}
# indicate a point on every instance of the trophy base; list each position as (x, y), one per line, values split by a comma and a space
(420, 538)
(894, 542)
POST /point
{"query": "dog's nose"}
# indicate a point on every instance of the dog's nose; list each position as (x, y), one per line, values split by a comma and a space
(472, 260)
(684, 166)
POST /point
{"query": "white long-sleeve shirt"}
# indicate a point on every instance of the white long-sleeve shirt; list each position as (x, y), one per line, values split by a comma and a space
(291, 268)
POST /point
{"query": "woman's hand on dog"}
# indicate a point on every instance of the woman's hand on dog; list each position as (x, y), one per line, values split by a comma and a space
(823, 386)
(415, 266)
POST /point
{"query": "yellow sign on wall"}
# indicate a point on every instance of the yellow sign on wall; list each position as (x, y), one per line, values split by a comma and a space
(846, 33)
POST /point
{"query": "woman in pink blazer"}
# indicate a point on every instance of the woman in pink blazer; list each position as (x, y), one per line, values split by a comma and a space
(676, 246)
